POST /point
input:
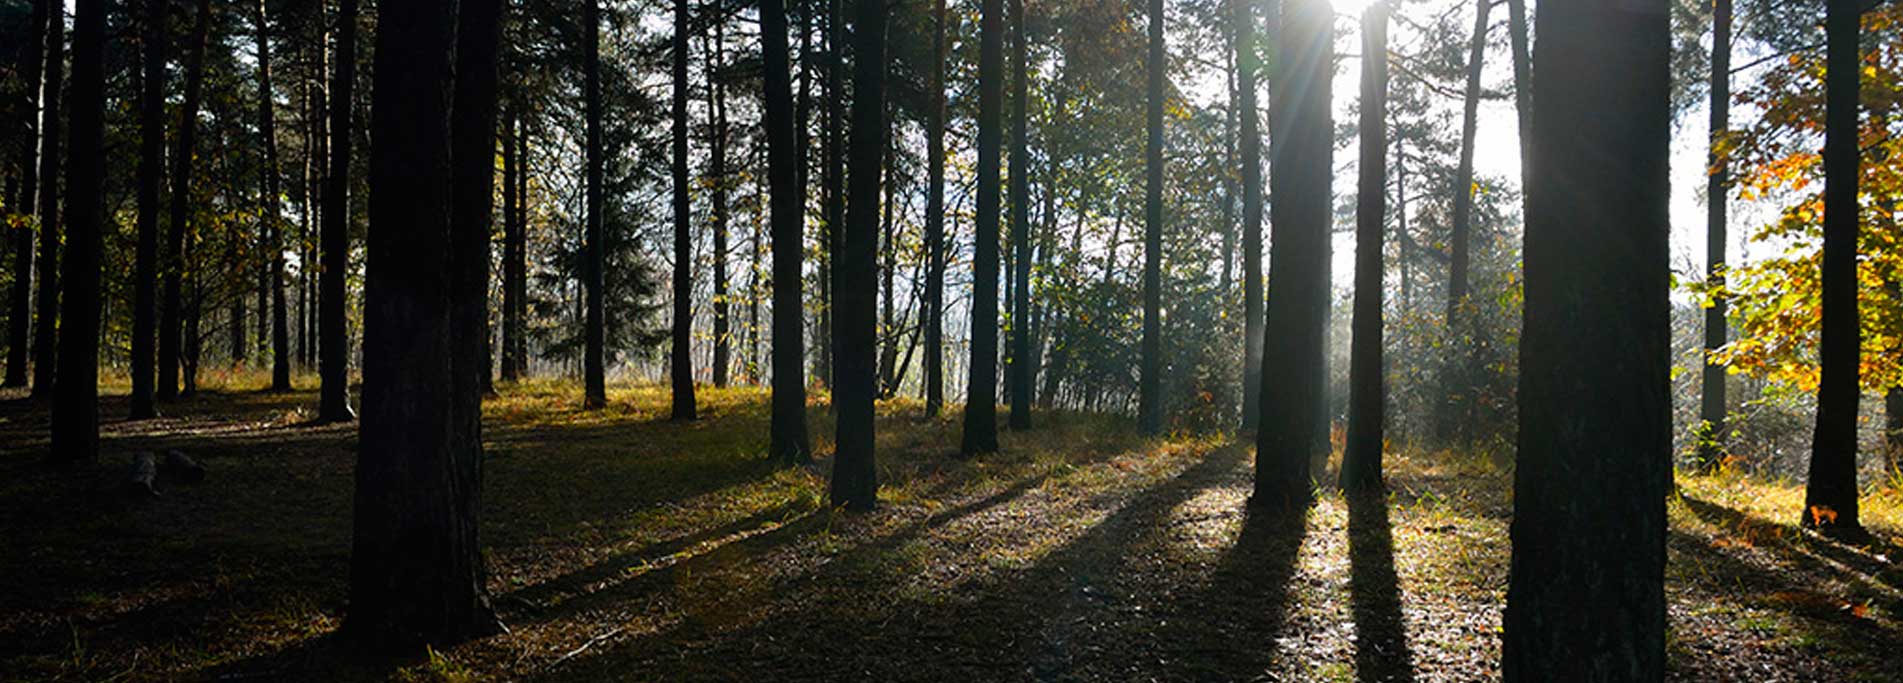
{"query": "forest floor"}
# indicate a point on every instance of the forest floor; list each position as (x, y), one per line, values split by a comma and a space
(622, 546)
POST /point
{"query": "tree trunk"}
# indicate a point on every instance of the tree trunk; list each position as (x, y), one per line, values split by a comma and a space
(1462, 227)
(1711, 448)
(981, 394)
(1301, 170)
(171, 337)
(1248, 62)
(333, 326)
(151, 174)
(280, 331)
(833, 181)
(717, 160)
(1585, 595)
(934, 305)
(20, 302)
(472, 156)
(1150, 385)
(594, 376)
(887, 334)
(790, 445)
(416, 563)
(1021, 361)
(681, 369)
(46, 303)
(1893, 432)
(511, 369)
(1367, 381)
(855, 478)
(1830, 497)
(76, 395)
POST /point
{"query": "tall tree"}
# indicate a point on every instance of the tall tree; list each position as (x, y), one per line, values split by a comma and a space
(1249, 64)
(1150, 385)
(1717, 197)
(46, 303)
(76, 394)
(273, 230)
(789, 444)
(933, 308)
(151, 175)
(1367, 375)
(855, 478)
(1301, 175)
(1830, 495)
(171, 309)
(1462, 226)
(832, 180)
(20, 300)
(981, 391)
(1023, 365)
(717, 162)
(416, 564)
(593, 273)
(472, 156)
(512, 323)
(1585, 595)
(333, 326)
(682, 358)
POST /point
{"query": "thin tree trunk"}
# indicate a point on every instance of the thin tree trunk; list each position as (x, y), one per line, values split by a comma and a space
(75, 436)
(789, 445)
(280, 331)
(934, 307)
(334, 364)
(1248, 62)
(1021, 360)
(1711, 447)
(888, 260)
(594, 377)
(1367, 382)
(1830, 496)
(20, 303)
(855, 478)
(1585, 595)
(833, 182)
(511, 207)
(1150, 385)
(717, 160)
(46, 311)
(1462, 226)
(980, 433)
(1302, 172)
(151, 174)
(681, 369)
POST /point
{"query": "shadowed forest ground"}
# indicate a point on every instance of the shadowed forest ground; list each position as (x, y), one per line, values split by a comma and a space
(622, 546)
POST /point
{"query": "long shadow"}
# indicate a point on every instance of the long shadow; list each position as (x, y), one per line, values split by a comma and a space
(1381, 650)
(1863, 559)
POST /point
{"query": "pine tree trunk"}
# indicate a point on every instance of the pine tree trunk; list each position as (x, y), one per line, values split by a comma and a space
(1248, 62)
(681, 370)
(1301, 171)
(855, 478)
(1150, 385)
(1830, 496)
(333, 326)
(171, 313)
(981, 393)
(511, 369)
(934, 305)
(1585, 596)
(75, 435)
(1711, 449)
(472, 156)
(20, 300)
(1367, 381)
(416, 563)
(1021, 360)
(789, 444)
(151, 174)
(46, 303)
(717, 160)
(594, 377)
(833, 185)
(273, 240)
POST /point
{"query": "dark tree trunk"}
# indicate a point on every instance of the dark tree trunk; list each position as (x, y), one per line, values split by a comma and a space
(151, 174)
(833, 183)
(855, 478)
(20, 301)
(934, 305)
(1248, 62)
(717, 161)
(1022, 363)
(46, 303)
(1367, 380)
(681, 370)
(887, 333)
(1523, 84)
(76, 394)
(1301, 171)
(334, 347)
(511, 248)
(1585, 595)
(1830, 497)
(1711, 449)
(1462, 226)
(981, 392)
(171, 337)
(790, 444)
(472, 156)
(1150, 385)
(593, 373)
(273, 230)
(1893, 432)
(416, 564)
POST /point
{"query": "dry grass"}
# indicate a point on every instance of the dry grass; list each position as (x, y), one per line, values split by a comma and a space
(623, 546)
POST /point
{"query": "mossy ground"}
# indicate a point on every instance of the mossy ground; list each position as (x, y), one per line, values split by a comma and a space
(624, 546)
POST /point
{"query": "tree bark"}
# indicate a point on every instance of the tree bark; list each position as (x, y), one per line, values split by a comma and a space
(416, 563)
(151, 174)
(1830, 496)
(789, 444)
(333, 325)
(1150, 384)
(1022, 363)
(681, 366)
(717, 161)
(1462, 227)
(46, 303)
(1711, 449)
(980, 432)
(20, 301)
(833, 184)
(855, 478)
(171, 336)
(934, 305)
(1301, 176)
(472, 157)
(594, 377)
(280, 331)
(1248, 62)
(75, 435)
(1367, 381)
(1585, 595)
(511, 369)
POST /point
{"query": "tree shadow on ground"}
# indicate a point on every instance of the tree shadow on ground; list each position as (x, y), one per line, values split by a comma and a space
(1381, 650)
